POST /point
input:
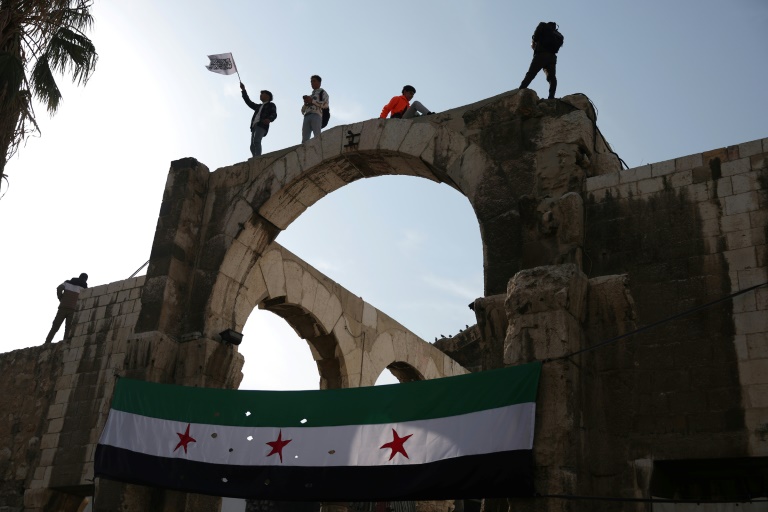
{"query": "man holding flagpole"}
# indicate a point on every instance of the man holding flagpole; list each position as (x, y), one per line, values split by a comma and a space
(263, 114)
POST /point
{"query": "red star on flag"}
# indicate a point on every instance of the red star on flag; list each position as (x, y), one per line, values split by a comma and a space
(184, 439)
(396, 445)
(277, 446)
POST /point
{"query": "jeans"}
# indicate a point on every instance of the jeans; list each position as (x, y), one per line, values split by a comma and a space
(312, 123)
(416, 106)
(257, 134)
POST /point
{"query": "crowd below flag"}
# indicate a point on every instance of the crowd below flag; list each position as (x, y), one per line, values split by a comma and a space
(469, 436)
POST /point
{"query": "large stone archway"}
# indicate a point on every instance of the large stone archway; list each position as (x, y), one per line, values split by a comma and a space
(512, 156)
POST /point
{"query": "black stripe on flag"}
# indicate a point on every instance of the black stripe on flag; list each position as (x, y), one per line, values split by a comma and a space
(495, 475)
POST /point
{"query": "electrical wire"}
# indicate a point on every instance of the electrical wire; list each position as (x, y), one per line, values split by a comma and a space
(655, 324)
(743, 499)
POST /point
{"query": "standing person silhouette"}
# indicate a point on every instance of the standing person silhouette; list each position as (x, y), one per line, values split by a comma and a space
(546, 42)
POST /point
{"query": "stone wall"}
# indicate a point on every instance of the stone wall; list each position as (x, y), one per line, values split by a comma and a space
(27, 380)
(660, 240)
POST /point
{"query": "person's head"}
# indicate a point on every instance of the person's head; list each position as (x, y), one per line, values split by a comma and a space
(409, 91)
(266, 96)
(315, 80)
(84, 276)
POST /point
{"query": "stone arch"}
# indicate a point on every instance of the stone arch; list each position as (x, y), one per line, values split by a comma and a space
(400, 352)
(512, 156)
(336, 324)
(285, 186)
(281, 283)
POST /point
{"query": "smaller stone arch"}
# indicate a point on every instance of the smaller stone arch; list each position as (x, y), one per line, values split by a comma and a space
(408, 357)
(351, 341)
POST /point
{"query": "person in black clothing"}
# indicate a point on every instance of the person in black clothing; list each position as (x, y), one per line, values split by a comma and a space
(263, 114)
(67, 293)
(546, 42)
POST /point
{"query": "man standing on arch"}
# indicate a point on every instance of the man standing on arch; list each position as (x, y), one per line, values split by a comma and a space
(546, 42)
(312, 110)
(263, 114)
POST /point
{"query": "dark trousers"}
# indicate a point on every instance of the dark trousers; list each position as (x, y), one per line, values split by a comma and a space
(547, 62)
(62, 315)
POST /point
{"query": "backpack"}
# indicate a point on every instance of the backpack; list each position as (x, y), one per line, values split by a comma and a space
(326, 117)
(326, 111)
(551, 39)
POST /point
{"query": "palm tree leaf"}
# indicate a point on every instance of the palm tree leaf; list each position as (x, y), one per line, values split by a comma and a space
(46, 36)
(78, 18)
(44, 84)
(74, 52)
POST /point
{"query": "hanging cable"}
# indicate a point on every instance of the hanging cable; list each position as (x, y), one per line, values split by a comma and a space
(655, 324)
(743, 499)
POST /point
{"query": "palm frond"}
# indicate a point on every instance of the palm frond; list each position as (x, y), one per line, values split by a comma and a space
(78, 18)
(70, 51)
(46, 37)
(44, 84)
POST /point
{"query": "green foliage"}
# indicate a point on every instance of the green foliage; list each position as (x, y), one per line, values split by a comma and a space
(39, 39)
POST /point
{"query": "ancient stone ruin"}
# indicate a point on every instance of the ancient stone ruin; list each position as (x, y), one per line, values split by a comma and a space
(577, 251)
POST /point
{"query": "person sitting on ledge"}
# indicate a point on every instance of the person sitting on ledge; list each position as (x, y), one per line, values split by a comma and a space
(400, 106)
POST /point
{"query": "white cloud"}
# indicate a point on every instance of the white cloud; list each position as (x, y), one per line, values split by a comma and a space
(461, 290)
(410, 242)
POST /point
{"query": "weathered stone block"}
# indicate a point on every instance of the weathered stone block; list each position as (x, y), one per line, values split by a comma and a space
(603, 181)
(549, 288)
(663, 168)
(747, 149)
(734, 167)
(753, 322)
(369, 316)
(689, 162)
(650, 186)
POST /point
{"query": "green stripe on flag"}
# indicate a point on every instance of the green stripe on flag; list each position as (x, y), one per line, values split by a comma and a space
(449, 396)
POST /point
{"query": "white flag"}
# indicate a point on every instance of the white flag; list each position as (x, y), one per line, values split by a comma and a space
(224, 64)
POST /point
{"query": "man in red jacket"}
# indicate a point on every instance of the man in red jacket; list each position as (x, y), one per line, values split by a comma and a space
(67, 293)
(400, 106)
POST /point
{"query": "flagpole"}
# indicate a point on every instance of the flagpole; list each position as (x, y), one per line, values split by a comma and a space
(236, 71)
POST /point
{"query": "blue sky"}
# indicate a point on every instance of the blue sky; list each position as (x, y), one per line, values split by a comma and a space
(669, 78)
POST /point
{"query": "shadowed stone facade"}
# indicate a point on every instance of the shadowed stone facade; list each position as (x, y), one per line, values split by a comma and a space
(576, 251)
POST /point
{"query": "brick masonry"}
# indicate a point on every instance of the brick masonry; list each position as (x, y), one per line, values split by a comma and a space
(687, 232)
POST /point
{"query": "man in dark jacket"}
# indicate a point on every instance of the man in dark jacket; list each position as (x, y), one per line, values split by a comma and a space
(263, 114)
(67, 293)
(546, 42)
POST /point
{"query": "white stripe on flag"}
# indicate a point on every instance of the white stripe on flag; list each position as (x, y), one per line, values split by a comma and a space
(493, 430)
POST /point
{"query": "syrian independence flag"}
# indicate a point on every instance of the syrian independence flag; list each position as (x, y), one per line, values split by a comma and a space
(469, 436)
(224, 64)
